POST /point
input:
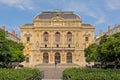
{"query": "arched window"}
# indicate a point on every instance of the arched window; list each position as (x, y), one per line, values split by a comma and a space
(45, 36)
(57, 37)
(45, 58)
(69, 57)
(69, 36)
(57, 57)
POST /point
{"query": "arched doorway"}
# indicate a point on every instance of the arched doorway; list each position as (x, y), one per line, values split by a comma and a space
(69, 57)
(45, 58)
(57, 57)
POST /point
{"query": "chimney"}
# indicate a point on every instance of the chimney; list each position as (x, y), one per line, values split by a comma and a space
(100, 32)
(109, 28)
(3, 28)
(13, 32)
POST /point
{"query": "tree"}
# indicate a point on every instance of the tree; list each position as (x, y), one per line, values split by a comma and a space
(10, 51)
(91, 52)
(107, 51)
(5, 54)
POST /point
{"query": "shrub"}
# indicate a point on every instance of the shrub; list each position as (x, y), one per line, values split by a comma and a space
(20, 74)
(91, 74)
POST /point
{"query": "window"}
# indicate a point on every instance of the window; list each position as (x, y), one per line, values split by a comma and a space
(45, 36)
(69, 58)
(86, 38)
(45, 45)
(57, 45)
(28, 38)
(27, 59)
(69, 36)
(69, 45)
(45, 58)
(57, 37)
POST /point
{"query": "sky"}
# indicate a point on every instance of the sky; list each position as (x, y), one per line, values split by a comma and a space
(100, 13)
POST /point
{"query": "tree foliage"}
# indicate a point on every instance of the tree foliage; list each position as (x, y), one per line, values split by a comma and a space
(91, 52)
(107, 51)
(10, 51)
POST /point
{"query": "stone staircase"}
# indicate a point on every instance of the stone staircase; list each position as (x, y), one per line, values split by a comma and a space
(52, 73)
(44, 65)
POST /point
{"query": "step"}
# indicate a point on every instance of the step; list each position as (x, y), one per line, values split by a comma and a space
(52, 73)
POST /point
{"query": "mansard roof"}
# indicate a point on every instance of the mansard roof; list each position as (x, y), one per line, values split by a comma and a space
(62, 14)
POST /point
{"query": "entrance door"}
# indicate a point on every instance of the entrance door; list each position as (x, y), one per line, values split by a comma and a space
(45, 58)
(69, 57)
(57, 57)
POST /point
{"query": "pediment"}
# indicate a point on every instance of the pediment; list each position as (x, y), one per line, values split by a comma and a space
(57, 18)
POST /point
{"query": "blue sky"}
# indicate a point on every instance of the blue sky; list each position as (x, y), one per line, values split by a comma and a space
(100, 13)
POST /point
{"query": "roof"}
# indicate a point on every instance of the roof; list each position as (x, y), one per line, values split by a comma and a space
(86, 24)
(28, 25)
(64, 15)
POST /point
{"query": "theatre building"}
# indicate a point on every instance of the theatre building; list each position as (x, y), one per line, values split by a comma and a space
(56, 36)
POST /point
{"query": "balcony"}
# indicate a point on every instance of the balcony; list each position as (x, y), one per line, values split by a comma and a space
(69, 48)
(45, 48)
(57, 48)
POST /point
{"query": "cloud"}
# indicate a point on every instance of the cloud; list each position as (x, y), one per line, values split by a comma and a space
(100, 20)
(90, 9)
(22, 4)
(113, 4)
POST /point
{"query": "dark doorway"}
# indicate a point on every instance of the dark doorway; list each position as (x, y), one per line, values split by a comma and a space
(57, 57)
(45, 58)
(69, 57)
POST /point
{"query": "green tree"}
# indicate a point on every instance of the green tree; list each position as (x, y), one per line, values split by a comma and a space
(107, 51)
(91, 52)
(5, 54)
(10, 51)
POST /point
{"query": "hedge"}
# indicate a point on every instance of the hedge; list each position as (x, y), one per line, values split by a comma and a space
(20, 74)
(91, 74)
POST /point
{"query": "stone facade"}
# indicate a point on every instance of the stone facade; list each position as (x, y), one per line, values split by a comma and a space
(56, 37)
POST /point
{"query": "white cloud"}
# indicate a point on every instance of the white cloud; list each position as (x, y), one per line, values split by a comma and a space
(22, 4)
(113, 4)
(100, 20)
(89, 9)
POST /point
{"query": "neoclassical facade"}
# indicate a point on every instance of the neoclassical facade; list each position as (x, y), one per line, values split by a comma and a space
(56, 37)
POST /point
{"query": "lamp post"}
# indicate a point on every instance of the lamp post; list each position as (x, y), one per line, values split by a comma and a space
(55, 64)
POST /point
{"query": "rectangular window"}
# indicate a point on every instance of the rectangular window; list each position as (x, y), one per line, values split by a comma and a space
(45, 45)
(28, 38)
(69, 45)
(86, 38)
(57, 45)
(27, 59)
